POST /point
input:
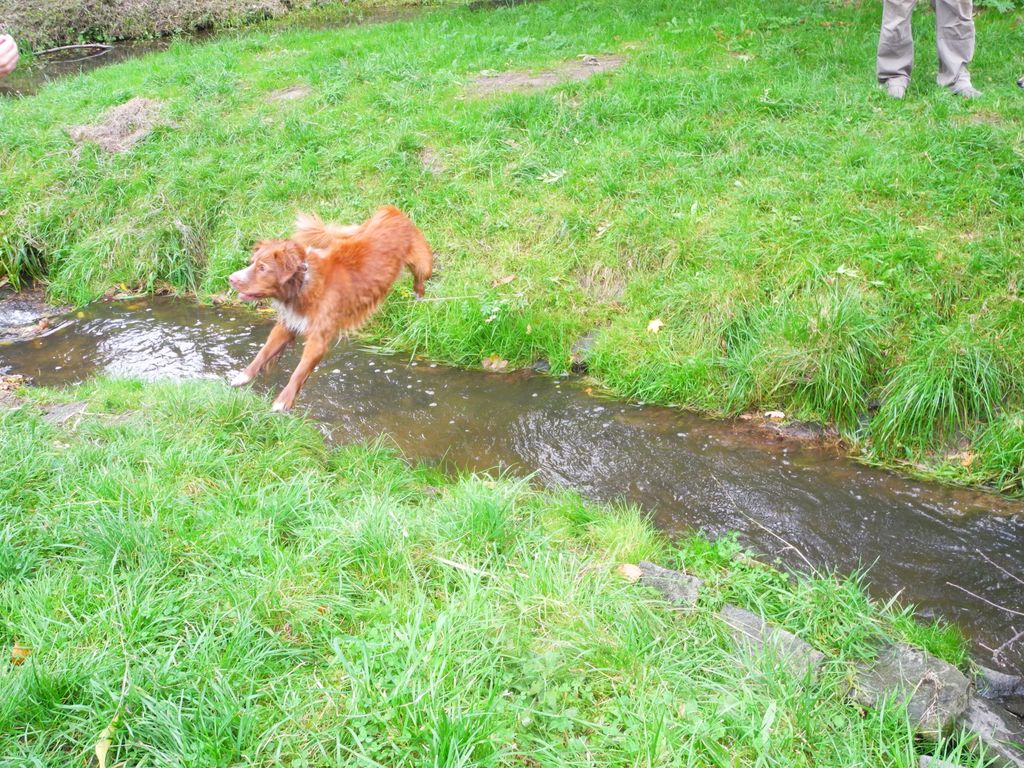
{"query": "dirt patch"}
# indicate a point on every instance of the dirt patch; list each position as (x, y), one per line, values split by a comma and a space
(584, 67)
(9, 385)
(602, 284)
(290, 94)
(981, 117)
(431, 162)
(121, 127)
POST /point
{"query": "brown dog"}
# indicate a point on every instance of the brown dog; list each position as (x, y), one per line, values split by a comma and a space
(326, 280)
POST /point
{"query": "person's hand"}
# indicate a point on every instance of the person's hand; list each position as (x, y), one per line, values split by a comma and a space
(8, 55)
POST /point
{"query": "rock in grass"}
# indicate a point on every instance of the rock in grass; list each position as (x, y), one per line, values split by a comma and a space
(930, 762)
(935, 692)
(679, 588)
(1000, 733)
(58, 415)
(580, 351)
(752, 634)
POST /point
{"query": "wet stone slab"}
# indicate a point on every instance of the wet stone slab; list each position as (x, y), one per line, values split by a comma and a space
(753, 636)
(1000, 734)
(1006, 689)
(935, 692)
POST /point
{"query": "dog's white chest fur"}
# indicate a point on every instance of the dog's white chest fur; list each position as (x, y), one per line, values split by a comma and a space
(292, 320)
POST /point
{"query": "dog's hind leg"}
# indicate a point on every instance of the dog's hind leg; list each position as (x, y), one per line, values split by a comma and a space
(420, 261)
(312, 353)
(279, 338)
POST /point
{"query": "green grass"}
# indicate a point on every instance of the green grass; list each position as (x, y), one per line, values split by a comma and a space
(236, 593)
(809, 245)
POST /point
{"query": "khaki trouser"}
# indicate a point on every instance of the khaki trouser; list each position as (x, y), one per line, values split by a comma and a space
(954, 38)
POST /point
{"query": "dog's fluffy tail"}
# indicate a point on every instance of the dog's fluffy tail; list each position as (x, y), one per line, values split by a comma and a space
(311, 231)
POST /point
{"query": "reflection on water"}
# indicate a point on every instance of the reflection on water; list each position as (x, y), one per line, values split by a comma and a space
(690, 473)
(26, 80)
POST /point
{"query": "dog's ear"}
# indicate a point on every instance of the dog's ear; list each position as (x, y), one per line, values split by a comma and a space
(256, 248)
(292, 259)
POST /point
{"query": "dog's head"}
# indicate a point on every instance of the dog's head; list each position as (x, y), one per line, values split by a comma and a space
(274, 268)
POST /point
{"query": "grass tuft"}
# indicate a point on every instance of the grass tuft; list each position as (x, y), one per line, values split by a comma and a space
(951, 380)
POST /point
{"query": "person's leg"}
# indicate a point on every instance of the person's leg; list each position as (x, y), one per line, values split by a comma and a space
(954, 39)
(895, 46)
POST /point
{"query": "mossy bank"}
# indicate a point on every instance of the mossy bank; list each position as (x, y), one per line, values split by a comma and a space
(803, 243)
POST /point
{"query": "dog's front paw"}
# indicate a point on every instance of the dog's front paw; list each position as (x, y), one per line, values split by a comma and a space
(280, 407)
(240, 379)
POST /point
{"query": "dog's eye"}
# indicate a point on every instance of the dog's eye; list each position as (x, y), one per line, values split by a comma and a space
(261, 268)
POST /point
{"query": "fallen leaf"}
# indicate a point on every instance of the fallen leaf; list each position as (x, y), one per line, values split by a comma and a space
(655, 325)
(43, 324)
(589, 391)
(494, 363)
(774, 415)
(19, 653)
(630, 572)
(502, 281)
(550, 177)
(965, 458)
(104, 741)
(842, 269)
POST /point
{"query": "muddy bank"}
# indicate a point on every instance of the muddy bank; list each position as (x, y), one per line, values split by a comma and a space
(954, 553)
(42, 23)
(326, 14)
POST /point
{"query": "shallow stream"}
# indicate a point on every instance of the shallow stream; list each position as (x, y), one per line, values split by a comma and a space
(949, 551)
